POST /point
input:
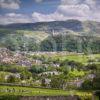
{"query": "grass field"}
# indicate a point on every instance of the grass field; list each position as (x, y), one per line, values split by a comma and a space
(79, 58)
(27, 91)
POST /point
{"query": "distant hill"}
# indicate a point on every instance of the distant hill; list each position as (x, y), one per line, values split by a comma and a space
(42, 35)
(74, 25)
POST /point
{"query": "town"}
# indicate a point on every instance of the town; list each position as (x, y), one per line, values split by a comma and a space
(47, 69)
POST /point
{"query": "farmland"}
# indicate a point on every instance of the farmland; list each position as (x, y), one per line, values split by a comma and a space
(29, 91)
(78, 57)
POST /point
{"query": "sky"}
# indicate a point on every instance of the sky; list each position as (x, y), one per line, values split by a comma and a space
(31, 11)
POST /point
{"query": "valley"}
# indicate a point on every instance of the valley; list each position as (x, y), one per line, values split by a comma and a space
(50, 58)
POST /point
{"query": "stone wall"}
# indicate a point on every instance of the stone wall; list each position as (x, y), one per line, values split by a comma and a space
(50, 98)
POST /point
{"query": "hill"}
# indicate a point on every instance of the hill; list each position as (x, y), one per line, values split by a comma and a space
(70, 35)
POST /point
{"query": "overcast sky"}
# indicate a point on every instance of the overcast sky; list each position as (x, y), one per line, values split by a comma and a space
(30, 11)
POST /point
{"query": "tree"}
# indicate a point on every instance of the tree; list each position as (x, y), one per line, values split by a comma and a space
(25, 75)
(75, 73)
(92, 67)
(12, 79)
(96, 81)
(2, 76)
(37, 69)
(87, 84)
(43, 83)
(57, 82)
(65, 69)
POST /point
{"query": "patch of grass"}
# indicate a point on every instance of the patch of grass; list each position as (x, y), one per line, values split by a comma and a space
(27, 91)
(78, 58)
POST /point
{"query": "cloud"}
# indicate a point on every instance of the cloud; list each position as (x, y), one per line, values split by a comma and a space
(10, 4)
(64, 12)
(39, 17)
(10, 18)
(38, 1)
(71, 9)
(68, 9)
(74, 10)
(91, 3)
(70, 2)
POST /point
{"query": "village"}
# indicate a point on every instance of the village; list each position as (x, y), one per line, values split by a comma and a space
(41, 69)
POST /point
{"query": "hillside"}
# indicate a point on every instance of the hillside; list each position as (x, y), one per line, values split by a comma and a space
(74, 25)
(70, 35)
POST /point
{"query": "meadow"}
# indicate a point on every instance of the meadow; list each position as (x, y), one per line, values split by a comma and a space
(79, 57)
(29, 91)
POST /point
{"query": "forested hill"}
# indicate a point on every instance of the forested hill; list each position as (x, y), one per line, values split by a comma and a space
(70, 35)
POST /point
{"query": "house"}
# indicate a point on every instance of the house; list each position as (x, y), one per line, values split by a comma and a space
(50, 73)
(55, 65)
(17, 75)
(90, 76)
(25, 63)
(38, 62)
(75, 83)
(47, 82)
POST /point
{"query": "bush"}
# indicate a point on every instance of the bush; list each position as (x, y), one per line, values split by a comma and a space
(9, 97)
(87, 85)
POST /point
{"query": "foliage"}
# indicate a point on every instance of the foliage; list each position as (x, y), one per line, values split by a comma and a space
(37, 69)
(2, 76)
(25, 75)
(87, 85)
(57, 82)
(12, 79)
(75, 73)
(96, 81)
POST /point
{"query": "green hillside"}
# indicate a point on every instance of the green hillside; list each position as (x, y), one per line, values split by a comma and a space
(70, 35)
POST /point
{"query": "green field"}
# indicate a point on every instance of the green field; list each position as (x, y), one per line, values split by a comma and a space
(27, 91)
(78, 58)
